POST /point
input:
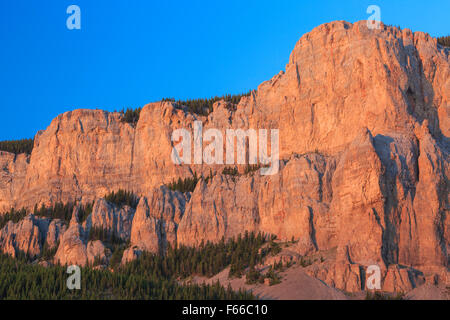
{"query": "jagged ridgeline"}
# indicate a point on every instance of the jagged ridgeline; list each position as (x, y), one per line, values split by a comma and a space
(406, 155)
(17, 146)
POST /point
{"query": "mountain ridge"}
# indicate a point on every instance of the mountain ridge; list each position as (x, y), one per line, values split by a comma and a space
(364, 128)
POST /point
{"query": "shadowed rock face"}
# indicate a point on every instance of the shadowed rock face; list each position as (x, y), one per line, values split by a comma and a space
(117, 221)
(364, 141)
(27, 236)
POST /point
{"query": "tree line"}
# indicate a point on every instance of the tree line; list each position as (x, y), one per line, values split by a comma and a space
(20, 280)
(188, 184)
(111, 241)
(161, 271)
(444, 41)
(184, 185)
(17, 146)
(201, 106)
(57, 211)
(63, 211)
(208, 259)
(122, 197)
(12, 215)
(152, 276)
(131, 116)
(204, 106)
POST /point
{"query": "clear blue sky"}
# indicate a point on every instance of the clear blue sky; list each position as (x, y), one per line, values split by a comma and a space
(129, 53)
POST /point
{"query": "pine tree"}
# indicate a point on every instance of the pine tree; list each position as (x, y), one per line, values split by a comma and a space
(444, 41)
(17, 146)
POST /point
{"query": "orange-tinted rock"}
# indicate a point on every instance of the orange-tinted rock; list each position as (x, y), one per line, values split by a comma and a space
(130, 254)
(364, 129)
(156, 220)
(72, 248)
(116, 221)
(397, 279)
(97, 253)
(12, 174)
(26, 236)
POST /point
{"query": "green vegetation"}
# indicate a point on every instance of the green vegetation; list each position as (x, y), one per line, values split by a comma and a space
(12, 215)
(234, 172)
(253, 276)
(63, 211)
(20, 280)
(17, 146)
(48, 253)
(306, 262)
(206, 260)
(122, 197)
(131, 116)
(230, 171)
(112, 242)
(275, 248)
(57, 211)
(104, 236)
(184, 185)
(152, 276)
(116, 257)
(444, 41)
(246, 253)
(204, 106)
(273, 277)
(384, 296)
(210, 176)
(251, 168)
(198, 106)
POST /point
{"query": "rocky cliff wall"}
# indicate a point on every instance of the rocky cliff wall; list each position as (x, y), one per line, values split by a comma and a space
(364, 146)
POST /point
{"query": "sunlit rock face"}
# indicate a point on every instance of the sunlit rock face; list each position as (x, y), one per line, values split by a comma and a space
(364, 129)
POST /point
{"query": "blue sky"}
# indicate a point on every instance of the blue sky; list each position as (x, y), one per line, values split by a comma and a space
(129, 53)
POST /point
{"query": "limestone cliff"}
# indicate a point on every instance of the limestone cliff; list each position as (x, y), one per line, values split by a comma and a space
(364, 171)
